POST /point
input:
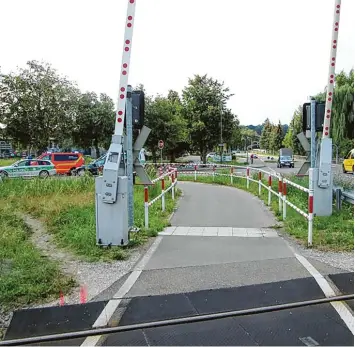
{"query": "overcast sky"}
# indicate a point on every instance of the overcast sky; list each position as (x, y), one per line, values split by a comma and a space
(272, 54)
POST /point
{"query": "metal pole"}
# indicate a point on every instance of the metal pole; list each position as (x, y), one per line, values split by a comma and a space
(129, 134)
(331, 71)
(221, 151)
(310, 207)
(313, 133)
(246, 144)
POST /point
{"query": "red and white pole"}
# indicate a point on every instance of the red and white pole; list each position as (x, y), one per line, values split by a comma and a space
(146, 207)
(195, 172)
(331, 71)
(163, 194)
(259, 177)
(173, 184)
(284, 191)
(248, 173)
(269, 193)
(231, 175)
(310, 208)
(280, 194)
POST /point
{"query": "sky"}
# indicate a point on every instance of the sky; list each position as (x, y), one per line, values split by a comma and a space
(271, 54)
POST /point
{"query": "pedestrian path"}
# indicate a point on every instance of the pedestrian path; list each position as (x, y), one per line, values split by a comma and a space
(221, 231)
(204, 205)
(220, 254)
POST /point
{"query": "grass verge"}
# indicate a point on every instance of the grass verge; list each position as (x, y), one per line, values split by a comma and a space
(335, 233)
(26, 276)
(67, 209)
(7, 162)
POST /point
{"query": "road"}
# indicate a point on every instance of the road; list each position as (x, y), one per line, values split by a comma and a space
(220, 254)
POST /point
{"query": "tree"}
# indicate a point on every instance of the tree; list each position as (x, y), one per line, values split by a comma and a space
(265, 137)
(37, 105)
(342, 121)
(276, 137)
(94, 122)
(291, 140)
(164, 117)
(204, 101)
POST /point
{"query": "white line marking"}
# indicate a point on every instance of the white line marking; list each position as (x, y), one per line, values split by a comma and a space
(112, 305)
(328, 291)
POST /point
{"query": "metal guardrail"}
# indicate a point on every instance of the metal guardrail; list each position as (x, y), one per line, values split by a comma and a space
(343, 195)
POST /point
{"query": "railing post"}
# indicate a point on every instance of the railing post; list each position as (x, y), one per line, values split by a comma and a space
(214, 169)
(195, 172)
(248, 172)
(163, 192)
(231, 175)
(310, 208)
(173, 188)
(269, 193)
(146, 207)
(284, 190)
(280, 194)
(259, 176)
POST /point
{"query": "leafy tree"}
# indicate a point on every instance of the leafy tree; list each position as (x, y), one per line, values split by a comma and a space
(36, 105)
(276, 137)
(163, 116)
(265, 139)
(342, 121)
(291, 140)
(204, 101)
(94, 122)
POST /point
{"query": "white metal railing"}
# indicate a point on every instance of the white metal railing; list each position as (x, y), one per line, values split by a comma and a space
(172, 175)
(281, 194)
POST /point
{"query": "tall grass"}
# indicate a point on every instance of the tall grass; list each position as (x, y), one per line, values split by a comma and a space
(67, 209)
(26, 276)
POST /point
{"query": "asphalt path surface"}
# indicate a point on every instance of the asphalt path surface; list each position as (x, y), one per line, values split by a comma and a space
(188, 275)
(219, 206)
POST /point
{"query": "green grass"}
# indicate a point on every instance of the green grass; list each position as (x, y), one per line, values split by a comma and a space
(7, 162)
(26, 276)
(335, 233)
(67, 209)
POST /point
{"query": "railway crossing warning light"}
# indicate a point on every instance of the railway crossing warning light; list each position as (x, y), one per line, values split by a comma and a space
(320, 109)
(138, 103)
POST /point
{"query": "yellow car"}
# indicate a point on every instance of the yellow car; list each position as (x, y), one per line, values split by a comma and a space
(348, 163)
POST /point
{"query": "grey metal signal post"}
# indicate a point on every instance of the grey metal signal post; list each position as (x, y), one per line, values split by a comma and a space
(112, 189)
(129, 136)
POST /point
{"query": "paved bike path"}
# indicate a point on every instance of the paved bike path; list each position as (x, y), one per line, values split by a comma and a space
(220, 255)
(204, 205)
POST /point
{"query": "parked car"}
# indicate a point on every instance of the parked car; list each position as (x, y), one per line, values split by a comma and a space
(29, 168)
(65, 163)
(348, 163)
(94, 168)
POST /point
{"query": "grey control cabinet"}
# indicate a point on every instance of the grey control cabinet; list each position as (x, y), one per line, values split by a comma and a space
(112, 219)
